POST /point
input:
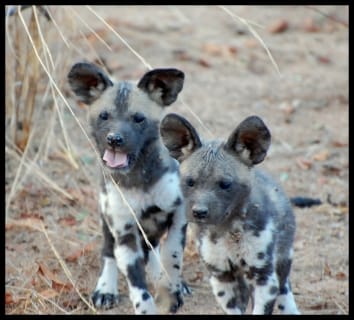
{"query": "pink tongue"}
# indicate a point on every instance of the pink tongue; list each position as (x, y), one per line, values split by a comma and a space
(115, 159)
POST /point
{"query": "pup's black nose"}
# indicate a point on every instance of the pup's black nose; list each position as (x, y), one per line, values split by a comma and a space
(200, 213)
(115, 139)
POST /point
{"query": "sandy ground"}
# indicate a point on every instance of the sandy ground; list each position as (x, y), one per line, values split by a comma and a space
(229, 76)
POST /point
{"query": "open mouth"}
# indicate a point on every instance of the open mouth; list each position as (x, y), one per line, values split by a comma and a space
(116, 159)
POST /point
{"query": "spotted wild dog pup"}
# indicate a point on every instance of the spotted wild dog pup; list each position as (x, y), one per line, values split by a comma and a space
(125, 118)
(243, 219)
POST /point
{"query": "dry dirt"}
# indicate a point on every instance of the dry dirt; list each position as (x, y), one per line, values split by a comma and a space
(229, 76)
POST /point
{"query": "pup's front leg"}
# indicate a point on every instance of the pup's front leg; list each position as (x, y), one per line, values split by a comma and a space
(265, 293)
(170, 286)
(285, 300)
(130, 261)
(231, 293)
(105, 294)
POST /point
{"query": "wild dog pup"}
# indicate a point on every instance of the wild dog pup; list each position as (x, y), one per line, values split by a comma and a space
(125, 118)
(243, 218)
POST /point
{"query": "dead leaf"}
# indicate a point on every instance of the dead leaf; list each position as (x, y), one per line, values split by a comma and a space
(57, 155)
(304, 163)
(212, 49)
(321, 156)
(219, 49)
(81, 195)
(342, 99)
(44, 271)
(9, 298)
(32, 223)
(232, 49)
(278, 26)
(67, 221)
(92, 37)
(10, 248)
(56, 283)
(78, 253)
(328, 169)
(48, 293)
(323, 59)
(61, 286)
(339, 144)
(341, 276)
(204, 63)
(185, 56)
(27, 215)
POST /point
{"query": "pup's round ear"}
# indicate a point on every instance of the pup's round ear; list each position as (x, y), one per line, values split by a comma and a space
(179, 136)
(88, 81)
(162, 85)
(250, 141)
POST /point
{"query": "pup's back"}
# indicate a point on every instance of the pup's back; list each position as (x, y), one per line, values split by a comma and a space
(275, 202)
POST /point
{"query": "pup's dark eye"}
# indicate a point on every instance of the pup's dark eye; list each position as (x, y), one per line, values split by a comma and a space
(189, 182)
(225, 184)
(138, 117)
(104, 115)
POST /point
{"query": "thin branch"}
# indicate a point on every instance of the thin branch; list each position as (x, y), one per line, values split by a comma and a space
(39, 296)
(92, 30)
(66, 270)
(35, 170)
(256, 35)
(120, 38)
(328, 16)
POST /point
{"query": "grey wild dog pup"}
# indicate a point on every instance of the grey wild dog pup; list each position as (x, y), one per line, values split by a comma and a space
(125, 118)
(244, 220)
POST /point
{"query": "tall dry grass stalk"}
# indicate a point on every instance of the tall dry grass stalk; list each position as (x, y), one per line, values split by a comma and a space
(35, 70)
(248, 24)
(24, 84)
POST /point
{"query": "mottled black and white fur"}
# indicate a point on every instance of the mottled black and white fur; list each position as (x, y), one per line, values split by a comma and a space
(124, 119)
(244, 220)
